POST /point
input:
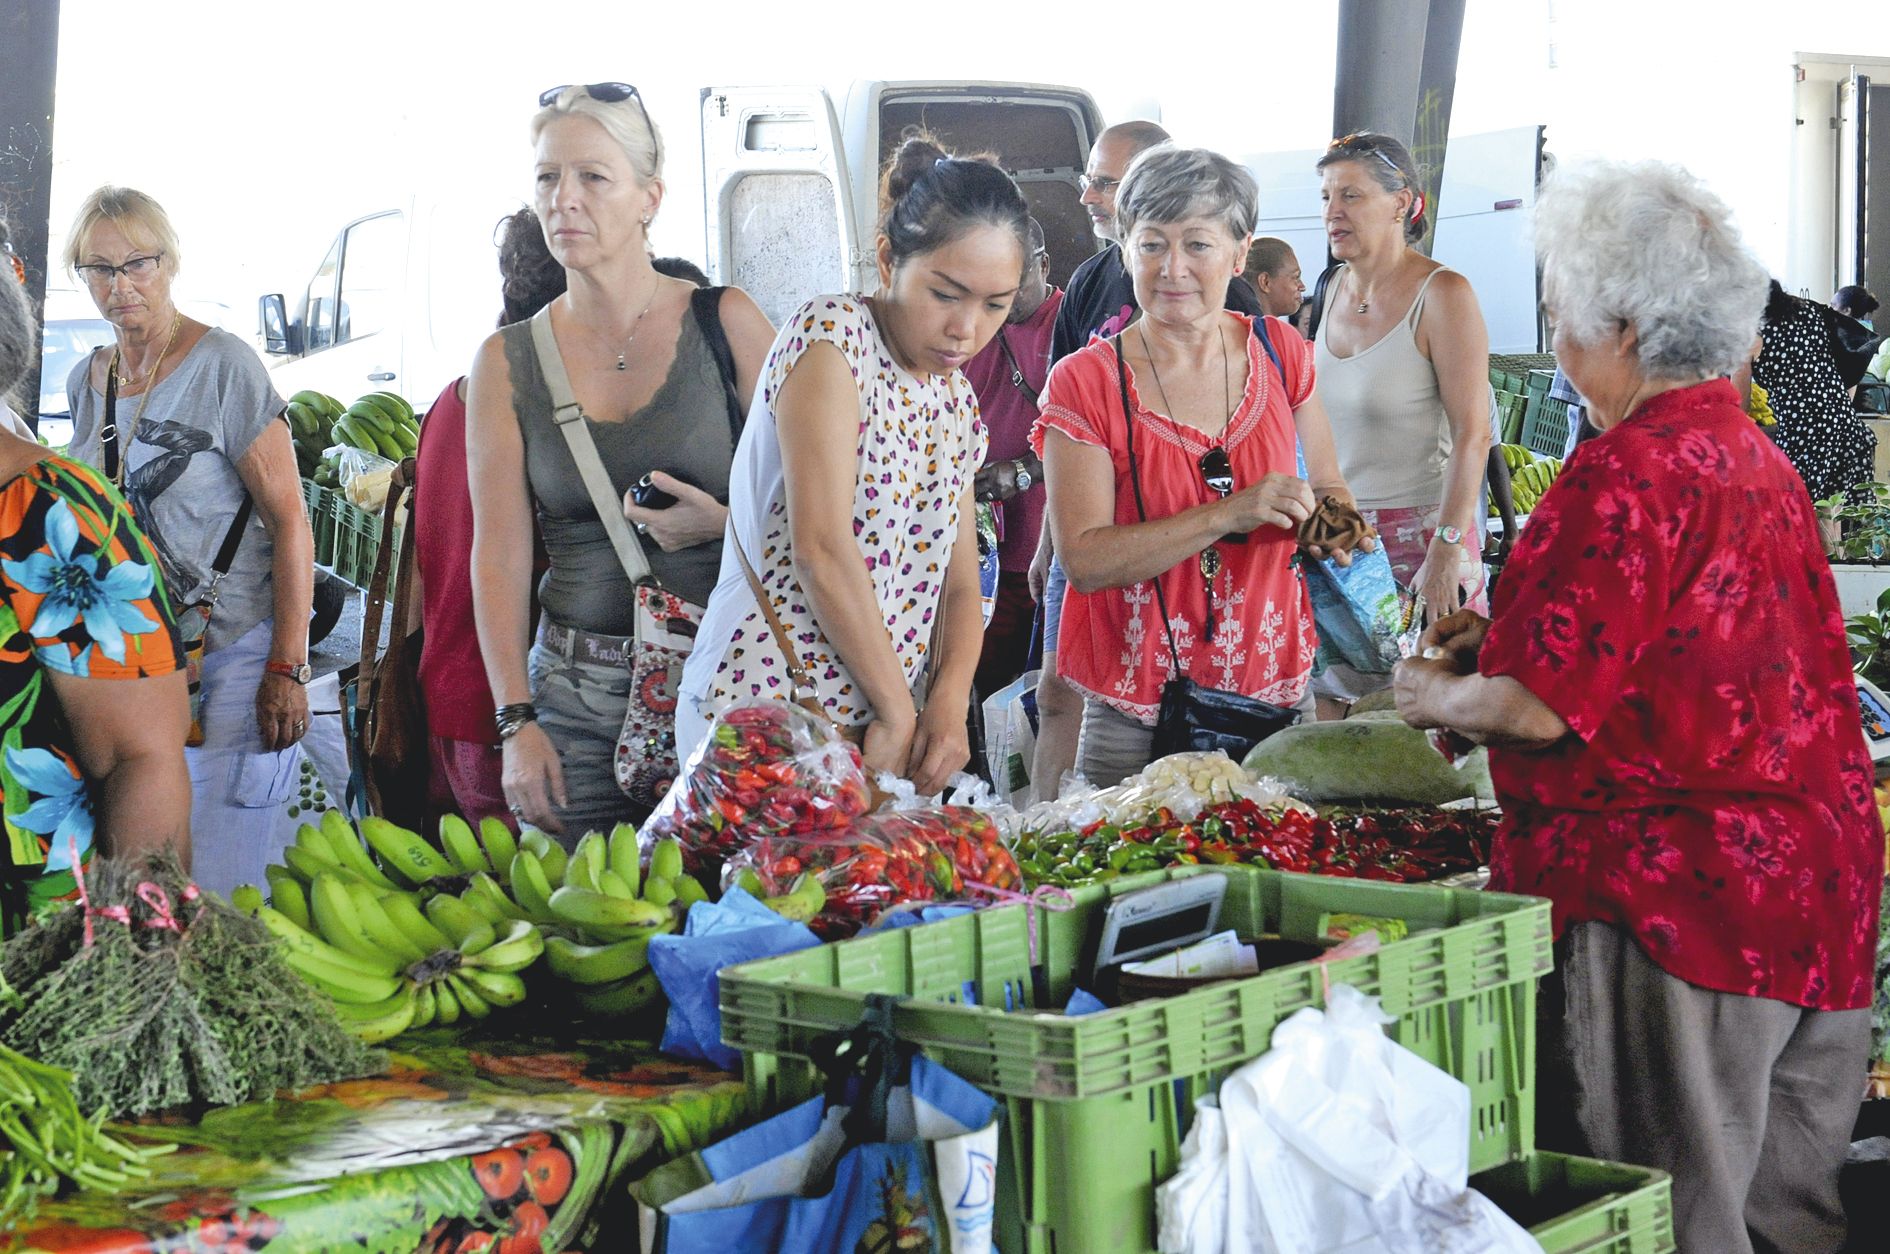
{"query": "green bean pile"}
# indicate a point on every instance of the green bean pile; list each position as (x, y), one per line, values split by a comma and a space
(45, 1137)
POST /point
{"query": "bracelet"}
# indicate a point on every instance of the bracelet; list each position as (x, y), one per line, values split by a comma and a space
(509, 719)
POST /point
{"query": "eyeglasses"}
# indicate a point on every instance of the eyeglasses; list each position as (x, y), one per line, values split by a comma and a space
(137, 269)
(1099, 185)
(610, 93)
(1217, 472)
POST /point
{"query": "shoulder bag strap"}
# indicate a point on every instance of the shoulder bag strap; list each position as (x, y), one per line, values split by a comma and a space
(1266, 342)
(108, 433)
(397, 489)
(805, 693)
(1017, 371)
(706, 304)
(1318, 310)
(569, 419)
(1141, 511)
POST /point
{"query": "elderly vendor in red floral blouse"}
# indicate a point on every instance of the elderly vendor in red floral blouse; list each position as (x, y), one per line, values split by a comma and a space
(1675, 739)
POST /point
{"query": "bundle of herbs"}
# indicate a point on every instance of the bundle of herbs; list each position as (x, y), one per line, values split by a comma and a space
(154, 994)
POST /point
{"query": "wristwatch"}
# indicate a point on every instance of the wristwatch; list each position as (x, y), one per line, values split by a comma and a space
(1450, 535)
(1024, 477)
(300, 672)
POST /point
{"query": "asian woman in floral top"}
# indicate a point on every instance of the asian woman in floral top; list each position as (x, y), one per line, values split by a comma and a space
(93, 705)
(1675, 740)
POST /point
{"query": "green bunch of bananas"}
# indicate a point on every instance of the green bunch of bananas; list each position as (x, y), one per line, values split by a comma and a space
(380, 423)
(1515, 456)
(311, 417)
(601, 910)
(402, 941)
(1527, 485)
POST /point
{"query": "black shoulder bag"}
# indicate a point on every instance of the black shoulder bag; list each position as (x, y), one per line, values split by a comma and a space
(706, 304)
(1193, 717)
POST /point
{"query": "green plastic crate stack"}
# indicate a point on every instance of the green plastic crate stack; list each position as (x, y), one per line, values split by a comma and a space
(356, 540)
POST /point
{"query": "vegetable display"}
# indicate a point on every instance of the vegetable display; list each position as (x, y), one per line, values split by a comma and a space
(46, 1138)
(945, 853)
(766, 768)
(1403, 846)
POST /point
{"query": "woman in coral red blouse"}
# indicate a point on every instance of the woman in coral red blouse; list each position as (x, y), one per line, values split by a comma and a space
(1675, 740)
(1215, 423)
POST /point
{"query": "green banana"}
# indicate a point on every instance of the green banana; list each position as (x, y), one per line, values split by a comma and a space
(406, 852)
(246, 898)
(749, 881)
(384, 1020)
(369, 415)
(346, 845)
(666, 860)
(551, 855)
(407, 438)
(425, 1005)
(394, 405)
(462, 847)
(294, 939)
(391, 449)
(500, 845)
(287, 895)
(305, 866)
(500, 988)
(303, 421)
(485, 895)
(480, 939)
(336, 919)
(580, 870)
(354, 433)
(343, 986)
(415, 925)
(624, 856)
(689, 891)
(599, 964)
(584, 907)
(625, 997)
(374, 921)
(613, 885)
(470, 999)
(445, 1005)
(802, 902)
(514, 951)
(455, 919)
(531, 887)
(658, 892)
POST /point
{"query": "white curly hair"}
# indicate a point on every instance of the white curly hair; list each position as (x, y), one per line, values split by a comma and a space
(1649, 244)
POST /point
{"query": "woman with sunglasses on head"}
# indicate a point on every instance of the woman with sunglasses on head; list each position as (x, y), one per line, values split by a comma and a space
(1403, 361)
(854, 483)
(183, 418)
(1179, 534)
(654, 409)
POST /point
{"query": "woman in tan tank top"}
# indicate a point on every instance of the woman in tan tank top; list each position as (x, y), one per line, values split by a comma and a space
(1403, 361)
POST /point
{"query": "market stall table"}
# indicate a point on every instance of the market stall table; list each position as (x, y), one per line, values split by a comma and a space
(528, 1140)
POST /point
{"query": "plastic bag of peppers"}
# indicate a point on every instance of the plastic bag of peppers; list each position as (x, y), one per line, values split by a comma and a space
(945, 853)
(767, 768)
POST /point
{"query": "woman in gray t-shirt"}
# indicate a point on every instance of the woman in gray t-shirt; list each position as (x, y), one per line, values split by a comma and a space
(197, 429)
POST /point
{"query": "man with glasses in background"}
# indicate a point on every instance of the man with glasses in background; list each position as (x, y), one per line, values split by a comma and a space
(1007, 376)
(1100, 300)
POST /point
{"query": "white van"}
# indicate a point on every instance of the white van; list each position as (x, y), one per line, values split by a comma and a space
(790, 175)
(399, 304)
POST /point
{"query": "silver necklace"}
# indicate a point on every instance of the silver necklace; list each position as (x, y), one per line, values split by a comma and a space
(632, 337)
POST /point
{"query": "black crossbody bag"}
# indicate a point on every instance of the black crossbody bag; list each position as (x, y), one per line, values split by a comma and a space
(1193, 717)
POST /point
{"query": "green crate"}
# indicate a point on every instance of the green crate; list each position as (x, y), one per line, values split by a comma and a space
(321, 520)
(1510, 407)
(1107, 1096)
(1584, 1206)
(356, 540)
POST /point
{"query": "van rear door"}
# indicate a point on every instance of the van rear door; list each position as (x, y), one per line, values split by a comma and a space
(779, 224)
(1040, 133)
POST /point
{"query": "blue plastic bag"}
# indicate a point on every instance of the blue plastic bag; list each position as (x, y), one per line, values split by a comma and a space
(1357, 611)
(882, 1161)
(715, 935)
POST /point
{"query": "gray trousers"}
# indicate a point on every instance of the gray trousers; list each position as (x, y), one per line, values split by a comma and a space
(1747, 1102)
(581, 707)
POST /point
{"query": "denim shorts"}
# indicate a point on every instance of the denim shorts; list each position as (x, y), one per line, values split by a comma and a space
(1054, 586)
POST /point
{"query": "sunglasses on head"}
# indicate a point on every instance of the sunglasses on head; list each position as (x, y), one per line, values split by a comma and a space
(1352, 146)
(609, 93)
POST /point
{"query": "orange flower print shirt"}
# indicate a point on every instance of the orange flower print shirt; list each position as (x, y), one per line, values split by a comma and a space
(81, 594)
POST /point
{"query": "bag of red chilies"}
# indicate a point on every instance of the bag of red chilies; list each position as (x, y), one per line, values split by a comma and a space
(767, 768)
(945, 853)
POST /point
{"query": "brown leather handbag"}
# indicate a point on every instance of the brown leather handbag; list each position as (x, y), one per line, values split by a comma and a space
(390, 711)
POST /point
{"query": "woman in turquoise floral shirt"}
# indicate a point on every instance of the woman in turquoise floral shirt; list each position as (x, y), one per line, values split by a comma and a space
(93, 705)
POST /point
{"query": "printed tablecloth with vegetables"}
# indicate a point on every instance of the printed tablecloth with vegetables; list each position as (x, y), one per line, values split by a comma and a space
(513, 1146)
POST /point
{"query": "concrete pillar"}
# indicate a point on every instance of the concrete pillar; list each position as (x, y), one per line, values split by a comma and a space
(29, 53)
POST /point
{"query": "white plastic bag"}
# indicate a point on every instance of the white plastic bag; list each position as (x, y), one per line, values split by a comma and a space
(365, 477)
(1010, 737)
(1339, 1139)
(1192, 1204)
